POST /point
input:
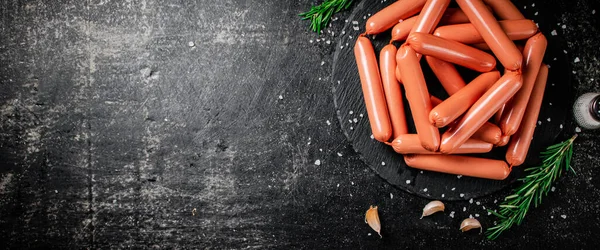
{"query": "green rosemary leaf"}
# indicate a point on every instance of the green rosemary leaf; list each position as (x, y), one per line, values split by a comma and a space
(320, 15)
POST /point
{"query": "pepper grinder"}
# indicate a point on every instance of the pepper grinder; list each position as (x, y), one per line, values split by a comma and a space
(587, 111)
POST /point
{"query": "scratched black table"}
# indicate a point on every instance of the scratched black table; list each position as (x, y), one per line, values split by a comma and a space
(181, 124)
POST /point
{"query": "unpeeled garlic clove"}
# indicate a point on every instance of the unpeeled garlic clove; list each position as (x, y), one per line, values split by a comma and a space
(432, 207)
(372, 218)
(470, 223)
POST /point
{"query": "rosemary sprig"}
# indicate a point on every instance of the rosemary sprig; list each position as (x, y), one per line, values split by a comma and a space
(320, 15)
(535, 185)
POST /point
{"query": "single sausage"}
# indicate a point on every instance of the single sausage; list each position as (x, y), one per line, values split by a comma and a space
(451, 51)
(454, 16)
(533, 52)
(461, 101)
(460, 165)
(503, 141)
(418, 97)
(402, 29)
(505, 9)
(372, 89)
(435, 101)
(430, 16)
(447, 74)
(481, 111)
(467, 34)
(519, 145)
(392, 14)
(488, 132)
(391, 87)
(485, 23)
(410, 144)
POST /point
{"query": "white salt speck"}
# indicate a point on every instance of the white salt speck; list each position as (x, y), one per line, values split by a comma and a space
(462, 195)
(56, 191)
(464, 209)
(346, 20)
(564, 26)
(564, 216)
(372, 137)
(524, 7)
(552, 189)
(318, 162)
(554, 59)
(593, 12)
(350, 37)
(459, 176)
(322, 63)
(535, 14)
(574, 72)
(341, 47)
(191, 44)
(318, 40)
(554, 33)
(339, 154)
(420, 172)
(453, 189)
(355, 120)
(310, 41)
(476, 215)
(537, 24)
(489, 213)
(369, 234)
(471, 216)
(349, 121)
(539, 122)
(343, 32)
(424, 189)
(495, 201)
(452, 214)
(564, 51)
(351, 112)
(551, 216)
(361, 115)
(338, 185)
(351, 128)
(471, 201)
(483, 207)
(280, 97)
(533, 5)
(443, 195)
(549, 119)
(339, 82)
(364, 17)
(548, 65)
(561, 126)
(369, 14)
(328, 42)
(383, 163)
(319, 78)
(391, 196)
(355, 28)
(478, 203)
(407, 181)
(328, 123)
(550, 103)
(355, 22)
(576, 60)
(320, 150)
(577, 130)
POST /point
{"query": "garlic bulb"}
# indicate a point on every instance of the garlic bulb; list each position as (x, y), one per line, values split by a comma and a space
(432, 207)
(470, 223)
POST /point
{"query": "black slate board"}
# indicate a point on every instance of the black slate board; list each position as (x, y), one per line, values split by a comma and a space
(389, 165)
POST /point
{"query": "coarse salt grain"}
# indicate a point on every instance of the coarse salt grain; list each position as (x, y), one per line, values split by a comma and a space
(535, 14)
(355, 22)
(328, 123)
(564, 216)
(464, 209)
(372, 137)
(552, 189)
(355, 28)
(407, 181)
(383, 163)
(318, 162)
(453, 189)
(462, 195)
(424, 189)
(280, 97)
(554, 33)
(478, 203)
(471, 201)
(576, 60)
(322, 63)
(339, 154)
(561, 126)
(577, 130)
(564, 26)
(443, 195)
(355, 120)
(350, 112)
(549, 119)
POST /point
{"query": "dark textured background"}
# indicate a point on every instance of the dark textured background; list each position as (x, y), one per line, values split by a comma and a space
(113, 130)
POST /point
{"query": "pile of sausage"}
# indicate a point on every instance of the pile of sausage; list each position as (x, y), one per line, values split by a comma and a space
(492, 110)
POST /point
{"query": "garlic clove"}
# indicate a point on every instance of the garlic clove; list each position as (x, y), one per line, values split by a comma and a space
(372, 218)
(470, 223)
(432, 207)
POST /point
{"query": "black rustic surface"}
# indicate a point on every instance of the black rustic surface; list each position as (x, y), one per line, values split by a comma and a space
(116, 133)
